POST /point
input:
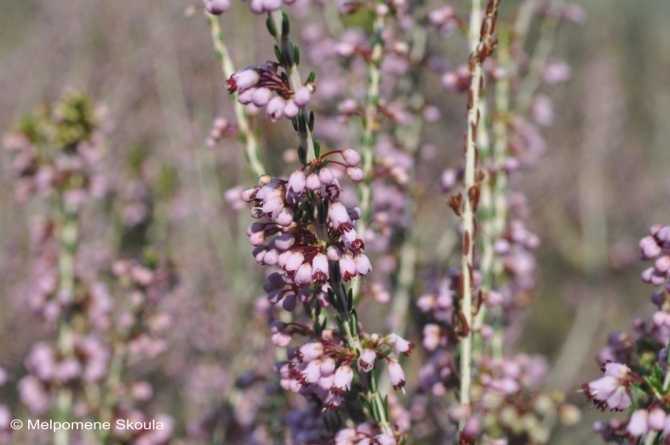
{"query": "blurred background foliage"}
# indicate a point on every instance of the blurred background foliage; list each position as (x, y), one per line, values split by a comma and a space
(603, 181)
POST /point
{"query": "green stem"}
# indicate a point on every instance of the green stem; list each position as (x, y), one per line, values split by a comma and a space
(246, 133)
(278, 19)
(68, 237)
(539, 59)
(370, 130)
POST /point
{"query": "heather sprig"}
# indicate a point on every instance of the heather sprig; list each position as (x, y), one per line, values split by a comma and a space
(306, 231)
(635, 369)
(56, 153)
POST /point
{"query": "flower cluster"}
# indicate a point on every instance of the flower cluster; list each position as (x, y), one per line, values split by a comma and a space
(262, 86)
(285, 237)
(58, 149)
(639, 364)
(322, 369)
(218, 7)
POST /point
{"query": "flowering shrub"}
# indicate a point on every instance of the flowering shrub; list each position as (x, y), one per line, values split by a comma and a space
(348, 255)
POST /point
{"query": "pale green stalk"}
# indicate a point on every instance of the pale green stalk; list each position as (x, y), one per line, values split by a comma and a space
(539, 59)
(371, 129)
(246, 133)
(68, 237)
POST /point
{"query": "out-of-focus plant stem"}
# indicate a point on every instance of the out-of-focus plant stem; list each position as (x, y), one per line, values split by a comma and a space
(493, 214)
(68, 238)
(371, 129)
(246, 132)
(538, 61)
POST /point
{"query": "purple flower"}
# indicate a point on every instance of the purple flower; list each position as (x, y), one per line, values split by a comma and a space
(343, 378)
(310, 351)
(243, 80)
(351, 157)
(399, 344)
(303, 276)
(612, 390)
(638, 424)
(296, 182)
(363, 266)
(217, 7)
(302, 97)
(366, 361)
(396, 375)
(320, 269)
(355, 173)
(261, 96)
(338, 216)
(275, 108)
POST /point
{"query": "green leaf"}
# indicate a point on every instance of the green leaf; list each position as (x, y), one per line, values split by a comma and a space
(310, 124)
(285, 25)
(302, 155)
(279, 56)
(271, 27)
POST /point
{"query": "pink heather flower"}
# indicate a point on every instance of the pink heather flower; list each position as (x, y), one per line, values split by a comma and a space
(338, 216)
(333, 400)
(291, 110)
(217, 7)
(285, 217)
(662, 264)
(296, 182)
(310, 351)
(312, 373)
(279, 337)
(293, 262)
(345, 49)
(344, 375)
(611, 390)
(363, 266)
(366, 361)
(396, 375)
(399, 344)
(431, 336)
(302, 97)
(384, 439)
(284, 241)
(320, 268)
(271, 5)
(261, 96)
(333, 253)
(303, 276)
(351, 157)
(243, 80)
(657, 418)
(326, 381)
(328, 366)
(347, 267)
(275, 108)
(326, 176)
(637, 426)
(493, 298)
(313, 182)
(355, 173)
